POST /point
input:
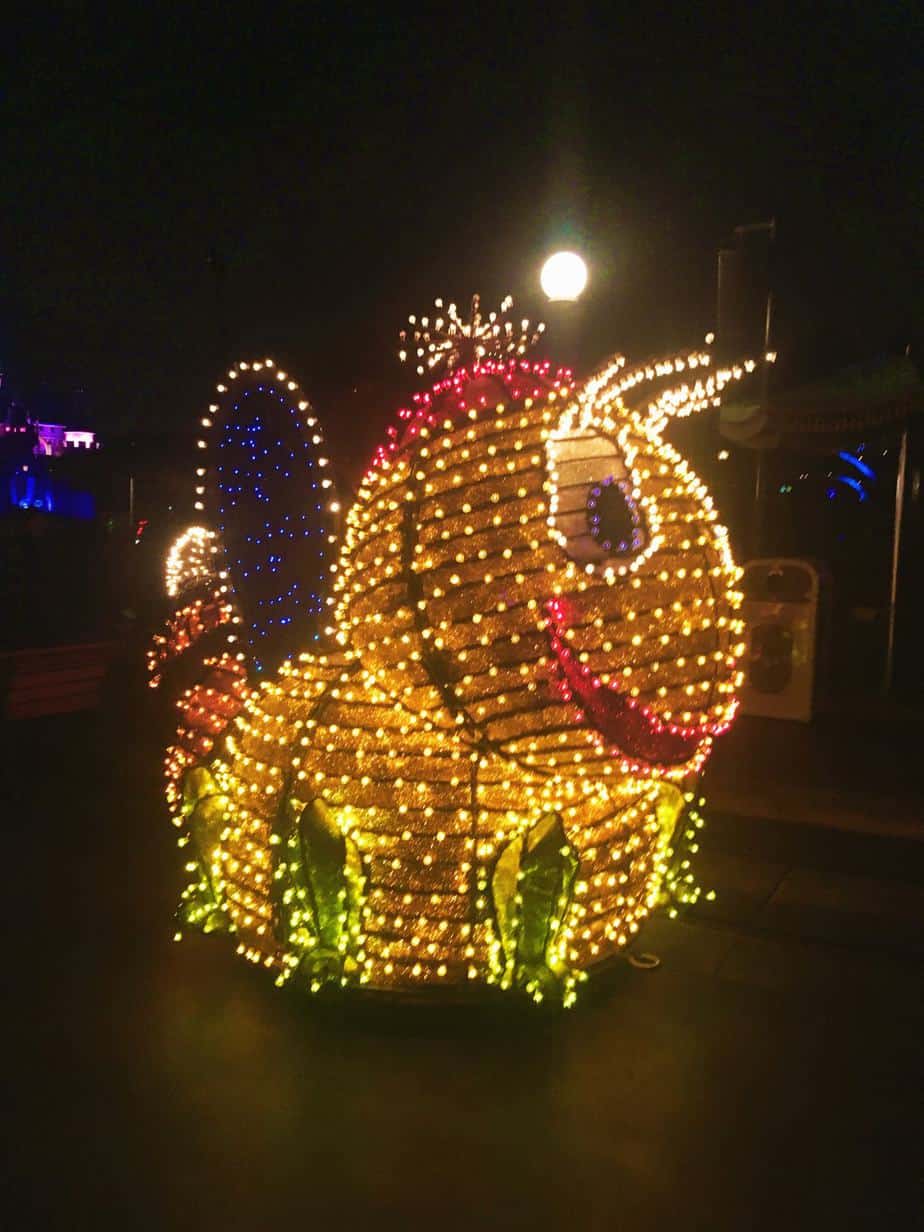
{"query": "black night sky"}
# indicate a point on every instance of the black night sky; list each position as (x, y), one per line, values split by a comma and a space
(342, 166)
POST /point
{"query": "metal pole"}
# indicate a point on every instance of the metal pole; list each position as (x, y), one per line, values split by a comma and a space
(764, 396)
(765, 371)
(759, 503)
(131, 504)
(896, 553)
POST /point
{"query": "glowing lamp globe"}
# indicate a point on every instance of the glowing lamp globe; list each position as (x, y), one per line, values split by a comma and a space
(564, 276)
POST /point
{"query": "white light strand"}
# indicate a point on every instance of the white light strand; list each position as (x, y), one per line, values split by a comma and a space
(446, 339)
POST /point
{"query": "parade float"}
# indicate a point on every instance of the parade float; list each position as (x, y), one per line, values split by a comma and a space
(479, 765)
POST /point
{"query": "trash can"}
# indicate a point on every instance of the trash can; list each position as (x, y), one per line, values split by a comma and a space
(780, 613)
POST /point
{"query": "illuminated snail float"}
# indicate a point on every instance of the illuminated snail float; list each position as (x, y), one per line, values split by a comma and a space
(486, 779)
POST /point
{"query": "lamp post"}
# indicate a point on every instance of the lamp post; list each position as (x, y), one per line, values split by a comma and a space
(563, 278)
(744, 311)
(889, 670)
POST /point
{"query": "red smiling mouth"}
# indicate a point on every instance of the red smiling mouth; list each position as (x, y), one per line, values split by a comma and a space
(628, 726)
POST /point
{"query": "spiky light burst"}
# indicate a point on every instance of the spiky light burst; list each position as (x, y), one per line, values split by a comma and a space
(447, 340)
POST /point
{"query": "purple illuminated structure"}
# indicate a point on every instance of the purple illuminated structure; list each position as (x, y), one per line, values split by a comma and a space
(27, 446)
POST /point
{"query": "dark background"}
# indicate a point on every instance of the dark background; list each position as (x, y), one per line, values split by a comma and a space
(189, 184)
(345, 167)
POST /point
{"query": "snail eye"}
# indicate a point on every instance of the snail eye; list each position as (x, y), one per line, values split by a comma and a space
(595, 516)
(613, 517)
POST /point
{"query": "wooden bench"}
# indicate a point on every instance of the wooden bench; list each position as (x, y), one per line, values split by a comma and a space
(53, 680)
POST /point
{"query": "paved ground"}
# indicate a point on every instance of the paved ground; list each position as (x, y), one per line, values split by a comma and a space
(767, 1075)
(856, 766)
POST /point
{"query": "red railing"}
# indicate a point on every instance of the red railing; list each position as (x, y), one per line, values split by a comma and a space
(53, 680)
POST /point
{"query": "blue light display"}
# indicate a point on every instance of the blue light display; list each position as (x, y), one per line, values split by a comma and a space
(35, 489)
(858, 463)
(855, 484)
(274, 505)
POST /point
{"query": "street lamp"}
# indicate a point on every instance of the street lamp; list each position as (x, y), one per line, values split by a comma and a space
(563, 276)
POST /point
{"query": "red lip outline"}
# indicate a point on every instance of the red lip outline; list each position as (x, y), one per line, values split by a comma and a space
(629, 727)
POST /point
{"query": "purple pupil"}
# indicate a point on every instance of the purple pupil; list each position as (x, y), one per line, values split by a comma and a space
(613, 517)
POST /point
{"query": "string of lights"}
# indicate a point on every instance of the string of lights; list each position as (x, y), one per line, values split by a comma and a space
(447, 340)
(190, 560)
(489, 779)
(250, 586)
(270, 493)
(274, 512)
